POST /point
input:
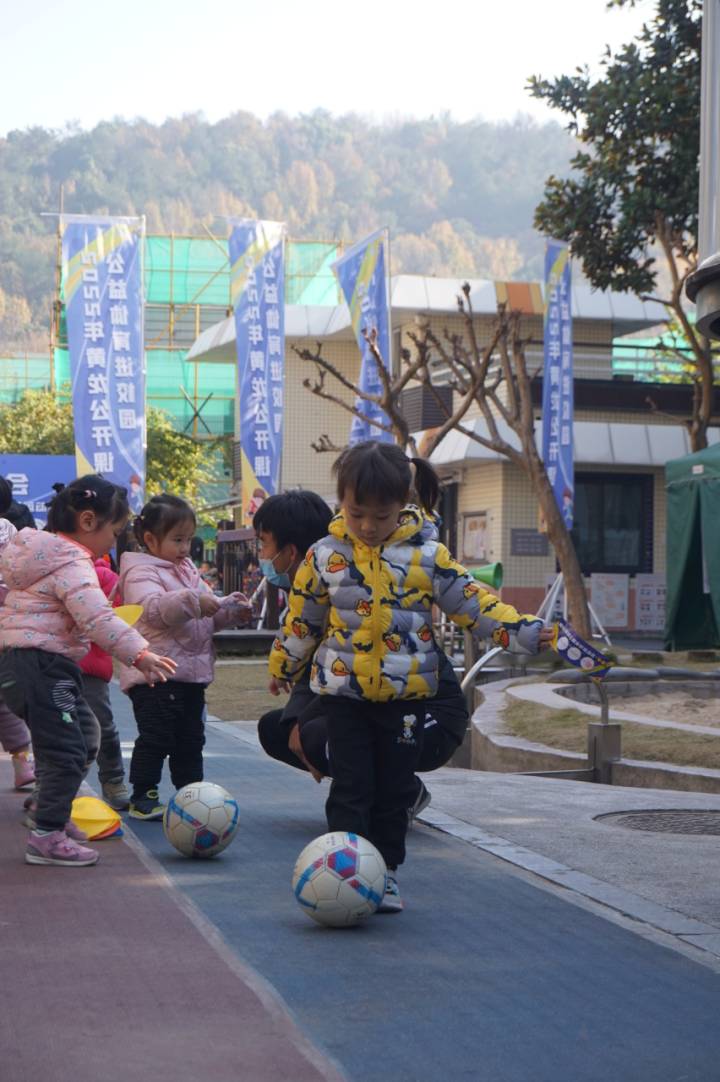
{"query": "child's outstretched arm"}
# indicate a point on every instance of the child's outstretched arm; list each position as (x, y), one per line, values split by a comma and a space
(303, 626)
(232, 610)
(165, 608)
(470, 606)
(91, 611)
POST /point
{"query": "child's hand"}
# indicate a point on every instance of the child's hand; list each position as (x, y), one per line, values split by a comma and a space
(545, 637)
(241, 603)
(276, 686)
(155, 669)
(209, 604)
(295, 745)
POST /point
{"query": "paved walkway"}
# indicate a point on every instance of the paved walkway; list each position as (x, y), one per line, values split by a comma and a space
(152, 962)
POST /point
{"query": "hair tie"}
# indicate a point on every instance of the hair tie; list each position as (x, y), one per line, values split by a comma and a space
(90, 493)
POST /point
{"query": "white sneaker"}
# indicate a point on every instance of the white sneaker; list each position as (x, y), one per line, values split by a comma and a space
(392, 902)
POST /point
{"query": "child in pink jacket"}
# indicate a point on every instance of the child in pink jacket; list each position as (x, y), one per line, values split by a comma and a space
(53, 610)
(14, 733)
(180, 615)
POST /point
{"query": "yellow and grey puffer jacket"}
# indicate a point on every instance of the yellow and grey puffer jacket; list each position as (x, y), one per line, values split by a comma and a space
(365, 613)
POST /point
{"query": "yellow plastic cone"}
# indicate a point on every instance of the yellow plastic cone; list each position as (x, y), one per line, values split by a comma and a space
(129, 613)
(94, 816)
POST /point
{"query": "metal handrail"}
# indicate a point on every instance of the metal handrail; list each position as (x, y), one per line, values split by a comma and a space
(477, 665)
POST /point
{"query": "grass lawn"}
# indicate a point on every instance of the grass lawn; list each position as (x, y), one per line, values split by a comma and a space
(567, 729)
(239, 691)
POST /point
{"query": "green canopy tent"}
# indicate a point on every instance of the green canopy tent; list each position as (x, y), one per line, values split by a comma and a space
(693, 552)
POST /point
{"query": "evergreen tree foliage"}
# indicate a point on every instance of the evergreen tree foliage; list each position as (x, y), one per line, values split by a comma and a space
(458, 197)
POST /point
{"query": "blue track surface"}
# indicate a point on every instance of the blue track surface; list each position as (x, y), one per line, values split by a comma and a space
(483, 977)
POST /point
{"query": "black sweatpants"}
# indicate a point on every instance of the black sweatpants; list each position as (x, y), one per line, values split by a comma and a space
(374, 752)
(439, 744)
(45, 689)
(170, 725)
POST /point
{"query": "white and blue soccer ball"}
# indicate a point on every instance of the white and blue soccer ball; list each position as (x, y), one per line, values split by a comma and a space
(339, 879)
(201, 819)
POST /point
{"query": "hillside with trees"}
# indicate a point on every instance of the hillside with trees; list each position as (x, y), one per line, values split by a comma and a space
(458, 197)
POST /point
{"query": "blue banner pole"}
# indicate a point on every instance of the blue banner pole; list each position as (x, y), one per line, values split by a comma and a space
(103, 292)
(558, 391)
(362, 276)
(257, 271)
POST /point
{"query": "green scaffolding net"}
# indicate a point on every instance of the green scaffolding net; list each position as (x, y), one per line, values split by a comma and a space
(187, 290)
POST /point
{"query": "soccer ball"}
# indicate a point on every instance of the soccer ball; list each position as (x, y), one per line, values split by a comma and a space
(339, 879)
(201, 819)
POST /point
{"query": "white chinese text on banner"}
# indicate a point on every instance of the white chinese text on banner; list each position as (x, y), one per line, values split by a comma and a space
(362, 275)
(558, 397)
(103, 292)
(257, 274)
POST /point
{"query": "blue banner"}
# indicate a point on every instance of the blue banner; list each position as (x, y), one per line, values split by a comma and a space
(558, 395)
(362, 276)
(103, 292)
(257, 283)
(32, 478)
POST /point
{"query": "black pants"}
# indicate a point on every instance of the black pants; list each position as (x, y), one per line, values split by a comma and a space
(109, 756)
(170, 725)
(374, 751)
(45, 689)
(438, 745)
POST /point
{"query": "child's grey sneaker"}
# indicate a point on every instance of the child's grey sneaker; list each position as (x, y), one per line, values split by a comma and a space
(421, 802)
(392, 902)
(116, 794)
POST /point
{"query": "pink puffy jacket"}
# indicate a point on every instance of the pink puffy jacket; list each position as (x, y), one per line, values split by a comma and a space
(55, 603)
(171, 620)
(7, 534)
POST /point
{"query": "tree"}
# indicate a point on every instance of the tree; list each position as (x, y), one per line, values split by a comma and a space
(630, 209)
(38, 424)
(493, 378)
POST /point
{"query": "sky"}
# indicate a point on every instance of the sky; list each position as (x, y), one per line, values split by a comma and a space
(83, 61)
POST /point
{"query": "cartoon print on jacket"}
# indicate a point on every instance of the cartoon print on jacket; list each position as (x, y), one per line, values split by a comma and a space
(368, 613)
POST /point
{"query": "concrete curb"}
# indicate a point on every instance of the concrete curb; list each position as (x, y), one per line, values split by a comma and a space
(494, 750)
(704, 937)
(559, 697)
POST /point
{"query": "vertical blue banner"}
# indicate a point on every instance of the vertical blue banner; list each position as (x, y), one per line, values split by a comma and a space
(103, 291)
(362, 276)
(558, 394)
(257, 283)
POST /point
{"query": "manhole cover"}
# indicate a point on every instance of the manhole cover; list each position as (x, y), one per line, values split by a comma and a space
(666, 821)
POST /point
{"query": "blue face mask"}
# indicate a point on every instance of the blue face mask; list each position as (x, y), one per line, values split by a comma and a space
(281, 579)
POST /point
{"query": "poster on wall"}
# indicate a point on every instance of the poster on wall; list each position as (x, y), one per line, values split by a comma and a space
(32, 478)
(609, 598)
(475, 543)
(650, 602)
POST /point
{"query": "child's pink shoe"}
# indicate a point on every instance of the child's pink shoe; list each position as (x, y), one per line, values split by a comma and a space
(74, 832)
(57, 848)
(24, 768)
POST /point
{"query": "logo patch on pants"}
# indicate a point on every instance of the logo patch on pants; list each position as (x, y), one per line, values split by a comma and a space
(407, 736)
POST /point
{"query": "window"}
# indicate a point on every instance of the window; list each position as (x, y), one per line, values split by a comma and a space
(613, 530)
